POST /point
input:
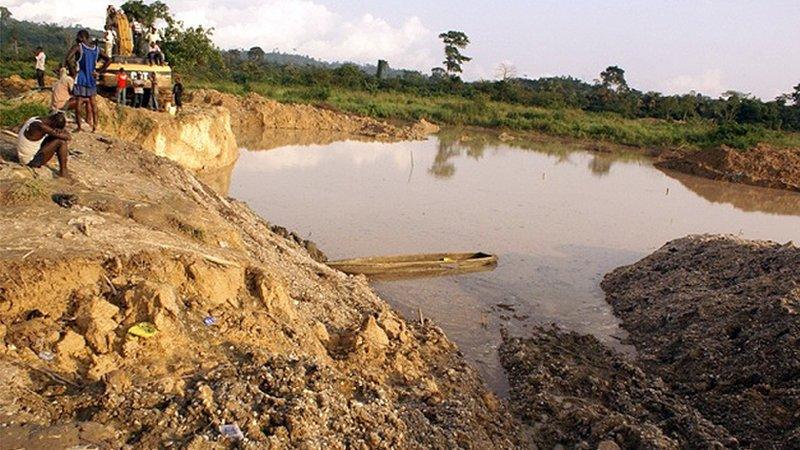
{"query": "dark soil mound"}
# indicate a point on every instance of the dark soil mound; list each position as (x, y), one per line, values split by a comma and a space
(574, 391)
(762, 166)
(717, 319)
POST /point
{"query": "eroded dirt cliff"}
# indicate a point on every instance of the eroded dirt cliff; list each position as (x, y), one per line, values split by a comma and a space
(255, 119)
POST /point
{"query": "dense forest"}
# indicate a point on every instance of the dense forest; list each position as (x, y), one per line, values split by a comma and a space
(191, 51)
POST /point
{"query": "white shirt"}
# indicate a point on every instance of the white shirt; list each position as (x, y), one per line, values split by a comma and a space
(40, 57)
(27, 149)
(153, 37)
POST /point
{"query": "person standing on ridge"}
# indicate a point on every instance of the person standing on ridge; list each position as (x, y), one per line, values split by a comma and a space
(177, 94)
(138, 91)
(85, 54)
(110, 37)
(40, 66)
(122, 87)
(153, 92)
(138, 32)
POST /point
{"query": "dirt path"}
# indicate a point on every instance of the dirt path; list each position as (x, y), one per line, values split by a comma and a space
(251, 330)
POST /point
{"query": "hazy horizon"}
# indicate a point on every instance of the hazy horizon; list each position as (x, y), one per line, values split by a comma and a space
(709, 46)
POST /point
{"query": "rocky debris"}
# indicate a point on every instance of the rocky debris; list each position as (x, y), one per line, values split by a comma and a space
(575, 392)
(14, 85)
(95, 318)
(761, 166)
(717, 318)
(310, 246)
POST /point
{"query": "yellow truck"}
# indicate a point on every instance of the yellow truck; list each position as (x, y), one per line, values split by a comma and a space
(124, 58)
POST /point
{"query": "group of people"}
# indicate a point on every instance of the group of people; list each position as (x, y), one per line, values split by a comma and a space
(129, 37)
(42, 138)
(142, 84)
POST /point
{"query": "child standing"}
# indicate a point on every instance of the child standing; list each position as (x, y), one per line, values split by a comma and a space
(153, 92)
(138, 91)
(122, 87)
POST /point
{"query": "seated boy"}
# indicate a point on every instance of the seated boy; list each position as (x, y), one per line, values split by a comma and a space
(40, 139)
(154, 54)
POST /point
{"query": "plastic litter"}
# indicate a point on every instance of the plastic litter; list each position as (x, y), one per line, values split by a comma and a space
(143, 329)
(46, 356)
(210, 321)
(231, 431)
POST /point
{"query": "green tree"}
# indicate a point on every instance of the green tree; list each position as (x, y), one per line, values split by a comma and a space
(454, 42)
(613, 78)
(256, 54)
(148, 14)
(795, 96)
(191, 48)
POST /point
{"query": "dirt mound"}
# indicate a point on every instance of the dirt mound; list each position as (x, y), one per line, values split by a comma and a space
(717, 319)
(761, 166)
(254, 119)
(150, 311)
(15, 85)
(574, 391)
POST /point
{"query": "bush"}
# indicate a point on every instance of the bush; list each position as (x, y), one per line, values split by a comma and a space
(18, 114)
(737, 136)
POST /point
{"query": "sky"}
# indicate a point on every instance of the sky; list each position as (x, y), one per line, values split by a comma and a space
(671, 46)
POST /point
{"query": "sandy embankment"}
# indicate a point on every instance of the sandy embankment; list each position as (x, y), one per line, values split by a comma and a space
(251, 330)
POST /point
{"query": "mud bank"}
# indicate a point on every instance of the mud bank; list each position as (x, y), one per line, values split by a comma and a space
(762, 166)
(250, 329)
(715, 322)
(255, 119)
(574, 391)
(717, 319)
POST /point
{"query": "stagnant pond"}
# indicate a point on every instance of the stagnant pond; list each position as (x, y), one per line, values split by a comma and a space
(557, 217)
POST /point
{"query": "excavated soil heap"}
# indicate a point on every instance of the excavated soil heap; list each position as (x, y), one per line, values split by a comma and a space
(717, 319)
(574, 391)
(761, 166)
(249, 330)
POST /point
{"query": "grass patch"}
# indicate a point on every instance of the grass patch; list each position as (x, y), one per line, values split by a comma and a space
(482, 112)
(16, 114)
(25, 192)
(187, 229)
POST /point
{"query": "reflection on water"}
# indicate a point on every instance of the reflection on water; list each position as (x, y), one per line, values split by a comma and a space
(557, 217)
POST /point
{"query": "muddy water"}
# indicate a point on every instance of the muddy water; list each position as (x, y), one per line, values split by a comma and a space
(558, 218)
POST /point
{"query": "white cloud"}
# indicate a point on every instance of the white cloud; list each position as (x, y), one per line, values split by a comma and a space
(301, 26)
(709, 82)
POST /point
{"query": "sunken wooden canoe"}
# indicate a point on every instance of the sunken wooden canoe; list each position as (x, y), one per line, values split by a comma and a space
(435, 264)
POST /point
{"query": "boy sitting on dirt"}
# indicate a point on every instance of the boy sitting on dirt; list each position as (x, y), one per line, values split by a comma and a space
(40, 139)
